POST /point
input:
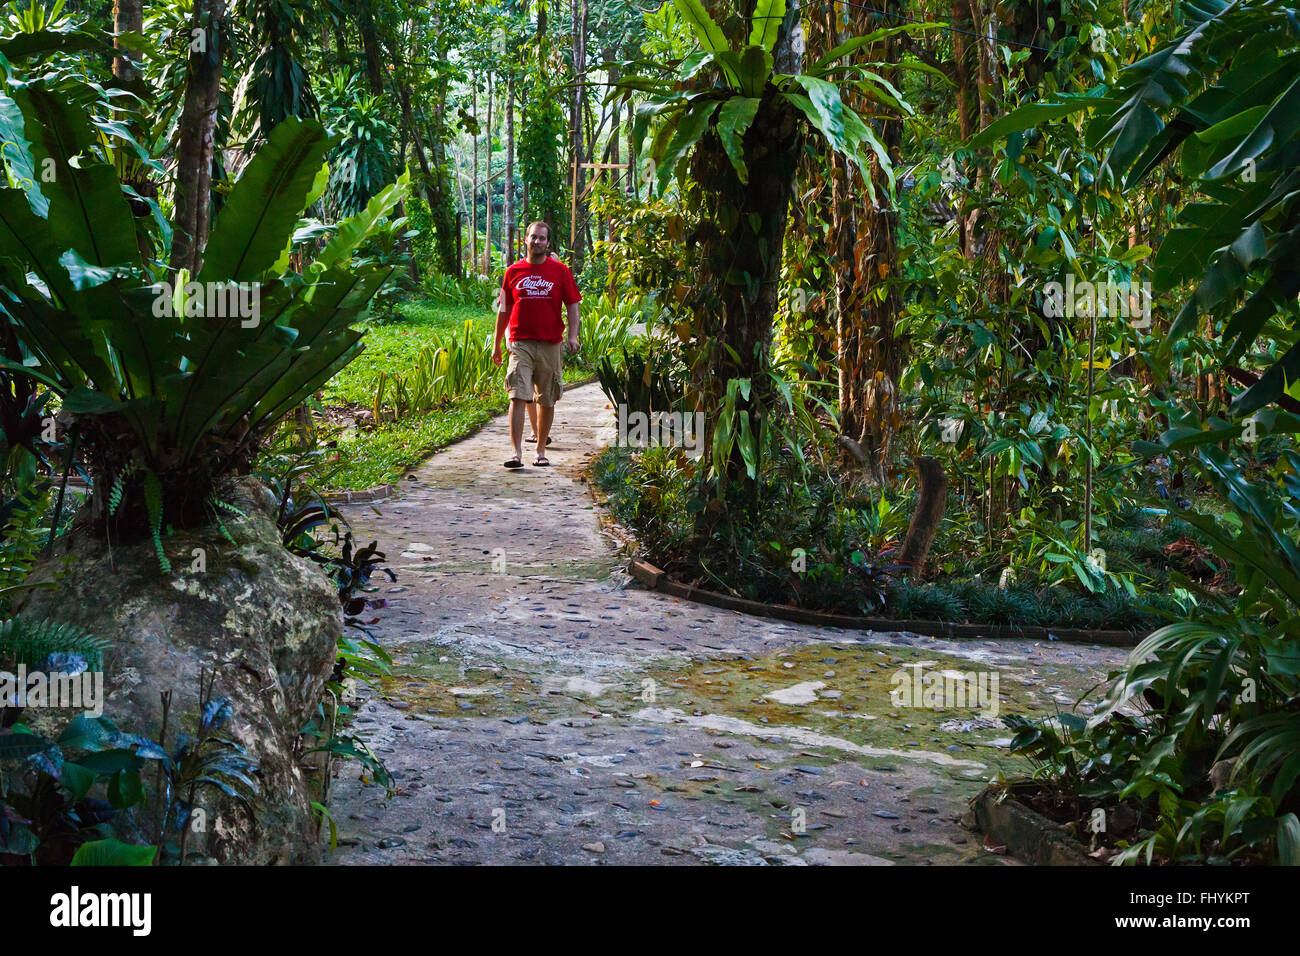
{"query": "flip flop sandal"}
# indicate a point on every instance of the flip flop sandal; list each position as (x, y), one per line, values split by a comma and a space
(514, 463)
(542, 461)
(533, 438)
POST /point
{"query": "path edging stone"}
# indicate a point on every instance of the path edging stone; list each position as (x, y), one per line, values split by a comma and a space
(656, 580)
(373, 493)
(1027, 835)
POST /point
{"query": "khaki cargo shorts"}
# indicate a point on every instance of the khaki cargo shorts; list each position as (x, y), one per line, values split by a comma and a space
(536, 371)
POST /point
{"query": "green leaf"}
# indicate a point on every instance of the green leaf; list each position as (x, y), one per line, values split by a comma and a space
(1278, 126)
(690, 66)
(825, 98)
(688, 133)
(356, 229)
(85, 732)
(15, 745)
(706, 31)
(1026, 117)
(113, 853)
(125, 789)
(77, 779)
(1288, 840)
(40, 42)
(108, 762)
(734, 119)
(768, 15)
(753, 70)
(874, 36)
(1233, 126)
(264, 204)
(87, 210)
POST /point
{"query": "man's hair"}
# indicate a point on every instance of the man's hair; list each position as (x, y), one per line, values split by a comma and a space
(541, 223)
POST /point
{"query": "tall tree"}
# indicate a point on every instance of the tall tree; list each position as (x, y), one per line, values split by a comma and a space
(865, 264)
(473, 193)
(576, 143)
(487, 192)
(128, 17)
(197, 133)
(370, 45)
(510, 166)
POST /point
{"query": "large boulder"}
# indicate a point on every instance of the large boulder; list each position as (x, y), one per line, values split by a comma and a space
(266, 620)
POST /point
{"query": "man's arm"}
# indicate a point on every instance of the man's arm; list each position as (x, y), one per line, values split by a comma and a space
(574, 324)
(503, 321)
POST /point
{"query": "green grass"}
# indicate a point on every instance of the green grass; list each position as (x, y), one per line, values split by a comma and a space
(385, 454)
(393, 345)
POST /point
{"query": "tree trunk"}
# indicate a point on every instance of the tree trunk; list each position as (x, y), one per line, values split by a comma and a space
(733, 320)
(739, 315)
(615, 119)
(579, 8)
(510, 168)
(487, 192)
(438, 188)
(194, 154)
(864, 253)
(541, 37)
(370, 45)
(932, 495)
(128, 17)
(473, 193)
(632, 175)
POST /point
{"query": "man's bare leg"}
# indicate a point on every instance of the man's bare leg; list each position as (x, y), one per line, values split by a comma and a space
(544, 427)
(532, 418)
(517, 426)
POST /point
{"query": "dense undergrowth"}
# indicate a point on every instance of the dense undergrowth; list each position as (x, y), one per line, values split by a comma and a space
(826, 547)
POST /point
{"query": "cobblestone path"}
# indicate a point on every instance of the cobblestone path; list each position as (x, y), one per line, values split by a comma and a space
(544, 711)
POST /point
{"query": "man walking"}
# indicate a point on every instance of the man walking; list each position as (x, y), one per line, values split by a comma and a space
(535, 292)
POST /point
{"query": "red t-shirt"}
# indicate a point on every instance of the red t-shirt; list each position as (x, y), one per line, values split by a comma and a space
(535, 297)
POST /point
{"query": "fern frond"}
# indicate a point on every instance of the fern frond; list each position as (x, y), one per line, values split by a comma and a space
(119, 486)
(24, 641)
(215, 507)
(154, 505)
(216, 503)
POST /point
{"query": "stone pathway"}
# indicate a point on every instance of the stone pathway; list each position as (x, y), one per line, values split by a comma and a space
(543, 711)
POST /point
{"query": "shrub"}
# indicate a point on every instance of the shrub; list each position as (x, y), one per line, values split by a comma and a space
(171, 388)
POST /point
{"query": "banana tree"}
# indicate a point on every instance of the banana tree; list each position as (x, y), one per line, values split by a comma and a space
(735, 115)
(169, 388)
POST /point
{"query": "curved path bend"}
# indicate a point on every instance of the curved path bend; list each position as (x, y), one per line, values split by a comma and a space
(543, 711)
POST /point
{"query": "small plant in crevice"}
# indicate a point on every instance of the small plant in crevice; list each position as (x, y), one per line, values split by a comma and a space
(82, 798)
(206, 760)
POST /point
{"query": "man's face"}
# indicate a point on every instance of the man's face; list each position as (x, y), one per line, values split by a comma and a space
(539, 242)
